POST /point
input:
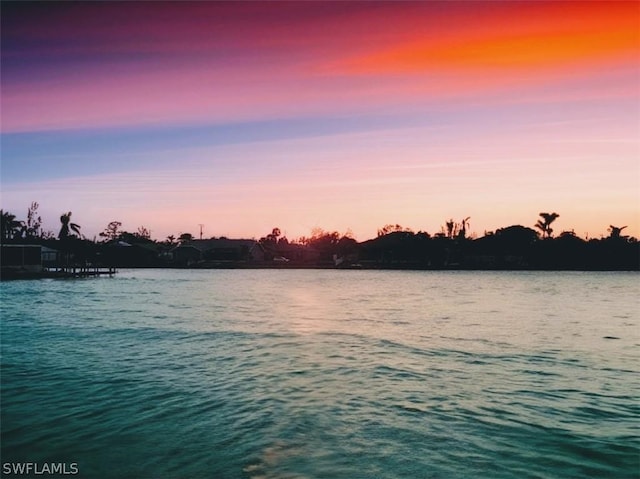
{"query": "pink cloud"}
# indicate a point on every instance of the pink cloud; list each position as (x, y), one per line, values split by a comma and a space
(129, 64)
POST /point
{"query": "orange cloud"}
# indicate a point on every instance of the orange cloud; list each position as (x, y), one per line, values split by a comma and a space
(534, 35)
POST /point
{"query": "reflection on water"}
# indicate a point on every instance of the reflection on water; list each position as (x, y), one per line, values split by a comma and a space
(337, 374)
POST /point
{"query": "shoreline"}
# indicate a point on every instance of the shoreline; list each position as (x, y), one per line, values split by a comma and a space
(83, 273)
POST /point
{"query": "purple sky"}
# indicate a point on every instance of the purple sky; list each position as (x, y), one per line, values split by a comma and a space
(345, 116)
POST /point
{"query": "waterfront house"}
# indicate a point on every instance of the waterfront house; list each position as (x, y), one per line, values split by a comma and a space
(297, 253)
(123, 254)
(21, 257)
(221, 250)
(50, 257)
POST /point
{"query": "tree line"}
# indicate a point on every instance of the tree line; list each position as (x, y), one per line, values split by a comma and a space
(395, 246)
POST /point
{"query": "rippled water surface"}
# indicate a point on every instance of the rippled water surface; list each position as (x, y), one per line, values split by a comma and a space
(324, 374)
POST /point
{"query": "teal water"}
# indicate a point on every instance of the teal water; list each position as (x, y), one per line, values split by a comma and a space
(324, 374)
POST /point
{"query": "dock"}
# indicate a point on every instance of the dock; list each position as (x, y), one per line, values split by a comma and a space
(57, 272)
(79, 271)
(34, 261)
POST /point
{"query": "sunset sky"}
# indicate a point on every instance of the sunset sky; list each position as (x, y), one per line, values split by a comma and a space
(340, 115)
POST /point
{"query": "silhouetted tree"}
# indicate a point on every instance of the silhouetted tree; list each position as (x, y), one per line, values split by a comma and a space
(143, 233)
(112, 231)
(463, 227)
(451, 230)
(544, 225)
(10, 227)
(271, 238)
(327, 243)
(615, 231)
(283, 241)
(270, 241)
(389, 228)
(185, 237)
(516, 235)
(567, 251)
(34, 221)
(68, 226)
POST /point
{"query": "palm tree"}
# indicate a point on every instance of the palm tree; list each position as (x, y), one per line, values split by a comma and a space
(615, 231)
(65, 219)
(544, 225)
(451, 228)
(10, 227)
(463, 227)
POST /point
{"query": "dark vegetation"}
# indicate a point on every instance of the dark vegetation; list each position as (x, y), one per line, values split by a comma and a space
(395, 247)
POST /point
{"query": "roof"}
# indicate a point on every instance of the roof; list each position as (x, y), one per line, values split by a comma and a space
(223, 243)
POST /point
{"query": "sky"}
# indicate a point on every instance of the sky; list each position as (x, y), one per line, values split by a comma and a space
(344, 116)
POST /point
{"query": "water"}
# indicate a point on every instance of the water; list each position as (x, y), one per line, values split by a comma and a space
(324, 374)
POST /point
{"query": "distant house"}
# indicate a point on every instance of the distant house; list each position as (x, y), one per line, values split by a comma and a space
(50, 257)
(21, 257)
(216, 251)
(297, 253)
(131, 255)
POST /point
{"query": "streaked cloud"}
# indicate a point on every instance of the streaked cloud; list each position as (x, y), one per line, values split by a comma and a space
(248, 115)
